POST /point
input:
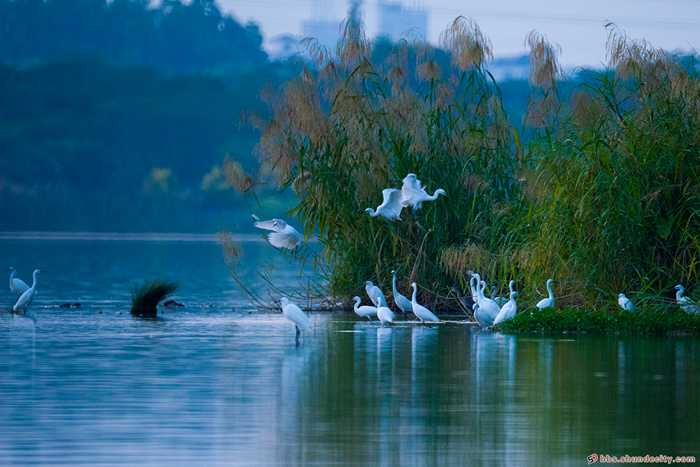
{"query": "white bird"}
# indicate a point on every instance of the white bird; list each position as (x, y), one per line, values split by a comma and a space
(508, 311)
(401, 302)
(486, 304)
(373, 292)
(481, 316)
(283, 235)
(686, 303)
(294, 314)
(366, 310)
(500, 301)
(625, 302)
(17, 285)
(391, 206)
(413, 194)
(473, 284)
(385, 314)
(547, 302)
(27, 297)
(421, 312)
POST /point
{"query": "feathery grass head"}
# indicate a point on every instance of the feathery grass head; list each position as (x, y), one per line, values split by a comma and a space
(146, 296)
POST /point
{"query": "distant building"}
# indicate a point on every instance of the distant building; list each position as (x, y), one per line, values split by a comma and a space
(395, 19)
(510, 68)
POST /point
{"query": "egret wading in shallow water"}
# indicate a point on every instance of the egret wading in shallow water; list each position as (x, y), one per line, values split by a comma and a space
(547, 302)
(401, 302)
(373, 292)
(364, 311)
(413, 194)
(482, 318)
(391, 205)
(27, 297)
(17, 285)
(421, 312)
(686, 303)
(294, 314)
(508, 311)
(486, 304)
(385, 314)
(625, 303)
(283, 235)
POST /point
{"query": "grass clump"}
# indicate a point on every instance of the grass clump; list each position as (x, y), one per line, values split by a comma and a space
(580, 320)
(146, 296)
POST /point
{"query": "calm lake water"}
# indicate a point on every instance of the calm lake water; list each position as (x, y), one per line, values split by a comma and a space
(222, 383)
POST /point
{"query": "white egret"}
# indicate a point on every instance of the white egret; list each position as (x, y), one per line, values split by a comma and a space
(391, 206)
(27, 297)
(686, 303)
(547, 302)
(413, 194)
(364, 311)
(385, 314)
(625, 302)
(508, 311)
(500, 301)
(373, 292)
(421, 312)
(473, 284)
(17, 285)
(283, 235)
(481, 316)
(294, 314)
(401, 302)
(486, 304)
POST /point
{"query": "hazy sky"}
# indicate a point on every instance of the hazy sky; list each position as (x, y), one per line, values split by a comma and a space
(577, 26)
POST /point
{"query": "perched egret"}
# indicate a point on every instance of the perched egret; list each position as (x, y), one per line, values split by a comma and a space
(421, 312)
(413, 194)
(391, 206)
(481, 316)
(17, 286)
(508, 311)
(401, 302)
(294, 314)
(27, 297)
(547, 302)
(384, 314)
(373, 292)
(283, 235)
(686, 303)
(625, 302)
(486, 304)
(364, 311)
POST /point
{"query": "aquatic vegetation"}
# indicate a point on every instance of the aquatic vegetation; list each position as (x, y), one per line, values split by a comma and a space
(146, 296)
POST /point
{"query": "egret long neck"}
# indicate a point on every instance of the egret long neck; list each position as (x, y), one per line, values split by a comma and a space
(679, 295)
(549, 287)
(394, 284)
(34, 283)
(415, 289)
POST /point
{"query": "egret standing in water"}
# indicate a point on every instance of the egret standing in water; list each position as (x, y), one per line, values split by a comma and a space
(391, 206)
(375, 294)
(625, 303)
(413, 194)
(385, 314)
(17, 285)
(508, 311)
(401, 302)
(482, 318)
(421, 312)
(486, 304)
(27, 297)
(547, 302)
(283, 235)
(294, 314)
(686, 303)
(364, 311)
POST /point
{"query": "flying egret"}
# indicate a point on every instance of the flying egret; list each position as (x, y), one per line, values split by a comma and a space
(481, 316)
(391, 206)
(413, 194)
(486, 304)
(294, 314)
(401, 302)
(364, 311)
(373, 292)
(547, 302)
(17, 286)
(625, 302)
(27, 297)
(686, 303)
(508, 311)
(384, 314)
(421, 312)
(283, 235)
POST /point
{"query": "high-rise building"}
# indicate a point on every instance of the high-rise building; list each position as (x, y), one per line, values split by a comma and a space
(395, 19)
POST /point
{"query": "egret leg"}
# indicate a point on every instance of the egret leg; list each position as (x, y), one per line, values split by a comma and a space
(369, 317)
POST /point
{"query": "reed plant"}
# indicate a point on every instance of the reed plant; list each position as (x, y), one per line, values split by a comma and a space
(146, 296)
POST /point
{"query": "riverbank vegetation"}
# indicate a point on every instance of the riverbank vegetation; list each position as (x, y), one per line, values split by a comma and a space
(597, 188)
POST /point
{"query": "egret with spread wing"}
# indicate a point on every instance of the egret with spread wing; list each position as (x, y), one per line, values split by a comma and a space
(391, 205)
(283, 235)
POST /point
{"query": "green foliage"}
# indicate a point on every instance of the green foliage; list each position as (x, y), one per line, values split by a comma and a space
(581, 320)
(146, 296)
